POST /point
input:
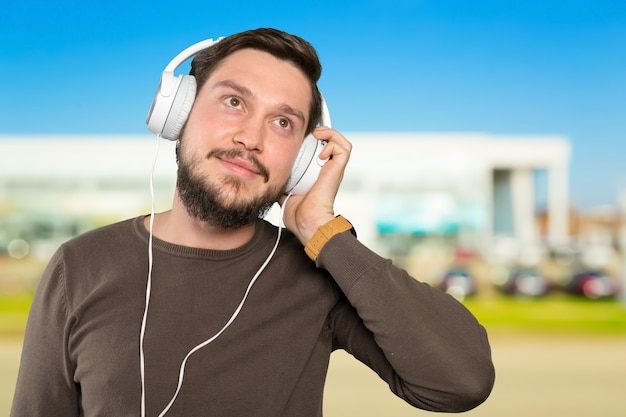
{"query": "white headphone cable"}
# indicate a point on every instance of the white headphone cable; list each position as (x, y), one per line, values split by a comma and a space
(234, 315)
(148, 285)
(149, 289)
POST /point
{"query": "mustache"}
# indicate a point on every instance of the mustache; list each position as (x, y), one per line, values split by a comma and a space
(240, 153)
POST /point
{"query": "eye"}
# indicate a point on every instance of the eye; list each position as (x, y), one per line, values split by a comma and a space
(283, 123)
(234, 102)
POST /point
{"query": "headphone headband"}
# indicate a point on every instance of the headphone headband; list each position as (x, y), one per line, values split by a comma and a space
(189, 52)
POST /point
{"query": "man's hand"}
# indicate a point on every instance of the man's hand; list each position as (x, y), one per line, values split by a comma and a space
(305, 213)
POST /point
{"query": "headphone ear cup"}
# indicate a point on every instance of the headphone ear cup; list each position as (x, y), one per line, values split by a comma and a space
(305, 155)
(307, 166)
(181, 107)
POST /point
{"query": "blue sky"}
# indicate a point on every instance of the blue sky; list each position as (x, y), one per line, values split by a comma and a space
(502, 67)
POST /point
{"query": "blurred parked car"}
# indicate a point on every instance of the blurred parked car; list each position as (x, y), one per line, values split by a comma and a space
(459, 284)
(592, 285)
(526, 282)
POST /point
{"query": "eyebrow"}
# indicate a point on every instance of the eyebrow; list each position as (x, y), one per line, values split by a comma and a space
(293, 112)
(246, 92)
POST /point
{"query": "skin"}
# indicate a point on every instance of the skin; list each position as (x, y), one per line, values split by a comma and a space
(258, 103)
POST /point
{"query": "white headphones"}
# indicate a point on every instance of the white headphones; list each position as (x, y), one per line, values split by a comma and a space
(173, 101)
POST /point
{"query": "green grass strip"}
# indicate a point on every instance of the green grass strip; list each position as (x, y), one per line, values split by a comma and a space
(554, 314)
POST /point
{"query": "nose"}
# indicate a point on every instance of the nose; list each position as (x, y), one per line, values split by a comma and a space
(251, 135)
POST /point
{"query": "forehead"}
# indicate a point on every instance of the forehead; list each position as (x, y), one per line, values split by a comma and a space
(264, 73)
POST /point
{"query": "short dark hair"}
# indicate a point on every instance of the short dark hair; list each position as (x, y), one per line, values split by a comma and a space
(280, 44)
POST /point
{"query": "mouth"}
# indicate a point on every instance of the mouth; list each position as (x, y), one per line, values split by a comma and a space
(235, 162)
(241, 167)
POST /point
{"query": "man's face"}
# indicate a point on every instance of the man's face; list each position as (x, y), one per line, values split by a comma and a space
(241, 139)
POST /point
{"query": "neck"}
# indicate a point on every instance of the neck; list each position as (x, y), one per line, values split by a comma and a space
(176, 226)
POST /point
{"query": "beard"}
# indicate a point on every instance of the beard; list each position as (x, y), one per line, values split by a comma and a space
(209, 201)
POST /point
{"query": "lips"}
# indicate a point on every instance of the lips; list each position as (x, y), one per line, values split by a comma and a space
(240, 165)
(236, 161)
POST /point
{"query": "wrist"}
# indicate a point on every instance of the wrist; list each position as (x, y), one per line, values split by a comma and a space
(307, 225)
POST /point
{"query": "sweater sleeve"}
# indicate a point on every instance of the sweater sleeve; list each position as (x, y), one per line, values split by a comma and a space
(44, 385)
(424, 343)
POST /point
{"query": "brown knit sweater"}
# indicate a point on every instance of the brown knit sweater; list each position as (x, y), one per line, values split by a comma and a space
(81, 349)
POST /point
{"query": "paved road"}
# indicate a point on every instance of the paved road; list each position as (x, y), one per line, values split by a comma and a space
(536, 377)
(564, 377)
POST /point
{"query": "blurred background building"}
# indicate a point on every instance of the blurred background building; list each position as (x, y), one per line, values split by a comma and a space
(486, 206)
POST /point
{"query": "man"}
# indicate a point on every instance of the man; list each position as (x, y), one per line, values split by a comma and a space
(203, 352)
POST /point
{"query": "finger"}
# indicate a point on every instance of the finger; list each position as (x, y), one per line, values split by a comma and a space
(339, 151)
(336, 143)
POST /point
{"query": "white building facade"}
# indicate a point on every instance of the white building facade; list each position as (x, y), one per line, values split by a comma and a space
(469, 187)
